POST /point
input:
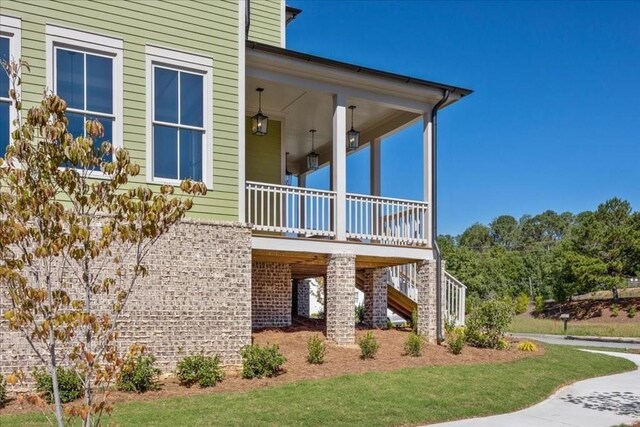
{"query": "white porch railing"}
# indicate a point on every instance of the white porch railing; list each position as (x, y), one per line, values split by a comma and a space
(454, 296)
(284, 209)
(386, 220)
(404, 278)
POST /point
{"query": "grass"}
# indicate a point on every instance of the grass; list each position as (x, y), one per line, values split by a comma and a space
(622, 293)
(408, 396)
(531, 325)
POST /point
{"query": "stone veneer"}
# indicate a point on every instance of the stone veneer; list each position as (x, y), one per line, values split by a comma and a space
(427, 305)
(375, 297)
(303, 289)
(196, 298)
(340, 291)
(271, 296)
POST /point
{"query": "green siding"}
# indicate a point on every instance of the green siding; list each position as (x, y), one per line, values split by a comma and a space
(263, 154)
(266, 21)
(201, 27)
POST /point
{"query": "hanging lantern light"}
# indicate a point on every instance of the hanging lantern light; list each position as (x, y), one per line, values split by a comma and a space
(259, 122)
(288, 175)
(312, 157)
(353, 136)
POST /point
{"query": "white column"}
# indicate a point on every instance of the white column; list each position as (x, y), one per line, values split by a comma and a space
(427, 145)
(241, 112)
(374, 169)
(339, 164)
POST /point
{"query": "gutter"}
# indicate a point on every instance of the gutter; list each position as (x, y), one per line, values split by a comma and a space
(434, 226)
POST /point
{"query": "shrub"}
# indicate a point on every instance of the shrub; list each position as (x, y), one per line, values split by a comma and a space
(456, 340)
(258, 362)
(615, 310)
(368, 346)
(488, 323)
(449, 324)
(527, 346)
(502, 344)
(539, 305)
(631, 312)
(414, 320)
(522, 303)
(138, 374)
(3, 390)
(390, 324)
(359, 314)
(201, 369)
(316, 348)
(413, 345)
(69, 384)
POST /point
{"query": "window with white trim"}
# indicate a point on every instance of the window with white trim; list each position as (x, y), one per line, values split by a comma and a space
(179, 116)
(85, 70)
(9, 51)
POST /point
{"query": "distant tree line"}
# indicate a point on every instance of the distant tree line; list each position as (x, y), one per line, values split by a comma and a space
(549, 254)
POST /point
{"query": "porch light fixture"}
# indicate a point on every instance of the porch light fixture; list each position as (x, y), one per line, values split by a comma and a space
(288, 175)
(259, 122)
(312, 157)
(353, 136)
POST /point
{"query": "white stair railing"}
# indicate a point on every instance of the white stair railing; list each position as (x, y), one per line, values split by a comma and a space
(284, 209)
(386, 220)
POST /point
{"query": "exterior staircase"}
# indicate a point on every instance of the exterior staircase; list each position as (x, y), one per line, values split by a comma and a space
(402, 293)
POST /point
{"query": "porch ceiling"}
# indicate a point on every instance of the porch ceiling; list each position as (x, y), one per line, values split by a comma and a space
(301, 109)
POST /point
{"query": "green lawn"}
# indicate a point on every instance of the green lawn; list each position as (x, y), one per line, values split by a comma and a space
(408, 396)
(526, 324)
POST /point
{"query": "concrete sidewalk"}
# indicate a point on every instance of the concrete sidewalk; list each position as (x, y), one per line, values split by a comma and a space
(597, 402)
(576, 342)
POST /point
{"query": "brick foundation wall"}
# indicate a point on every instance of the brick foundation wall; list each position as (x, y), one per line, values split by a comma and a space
(375, 298)
(196, 298)
(271, 295)
(303, 290)
(427, 307)
(341, 282)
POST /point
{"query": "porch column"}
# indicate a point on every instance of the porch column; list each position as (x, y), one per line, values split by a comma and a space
(427, 309)
(302, 288)
(374, 169)
(428, 170)
(339, 297)
(339, 164)
(375, 297)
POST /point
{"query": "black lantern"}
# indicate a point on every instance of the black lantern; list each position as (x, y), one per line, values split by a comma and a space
(259, 122)
(288, 175)
(312, 157)
(353, 136)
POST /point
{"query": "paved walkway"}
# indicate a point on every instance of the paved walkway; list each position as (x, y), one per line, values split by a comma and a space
(560, 340)
(597, 402)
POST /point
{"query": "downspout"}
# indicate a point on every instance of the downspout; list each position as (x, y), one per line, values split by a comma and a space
(434, 205)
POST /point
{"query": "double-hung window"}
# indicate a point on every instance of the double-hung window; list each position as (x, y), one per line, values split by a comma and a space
(86, 71)
(9, 50)
(179, 116)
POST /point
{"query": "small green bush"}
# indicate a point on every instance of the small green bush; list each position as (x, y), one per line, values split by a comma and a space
(413, 345)
(522, 303)
(258, 362)
(488, 323)
(414, 320)
(201, 369)
(3, 390)
(615, 310)
(359, 314)
(368, 346)
(69, 384)
(390, 324)
(138, 374)
(456, 340)
(539, 305)
(631, 312)
(449, 324)
(527, 346)
(316, 348)
(502, 344)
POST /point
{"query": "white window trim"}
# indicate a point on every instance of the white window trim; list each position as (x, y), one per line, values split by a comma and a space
(11, 27)
(188, 62)
(90, 42)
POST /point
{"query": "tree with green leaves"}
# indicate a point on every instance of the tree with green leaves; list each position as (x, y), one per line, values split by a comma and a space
(73, 247)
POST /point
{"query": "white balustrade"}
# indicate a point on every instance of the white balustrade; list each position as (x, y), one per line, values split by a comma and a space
(284, 209)
(454, 298)
(387, 221)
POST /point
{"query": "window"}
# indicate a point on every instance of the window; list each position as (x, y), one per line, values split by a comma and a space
(9, 50)
(179, 116)
(85, 70)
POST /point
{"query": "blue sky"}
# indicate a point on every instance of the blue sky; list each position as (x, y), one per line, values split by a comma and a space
(554, 122)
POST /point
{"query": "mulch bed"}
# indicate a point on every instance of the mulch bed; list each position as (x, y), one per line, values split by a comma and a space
(339, 360)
